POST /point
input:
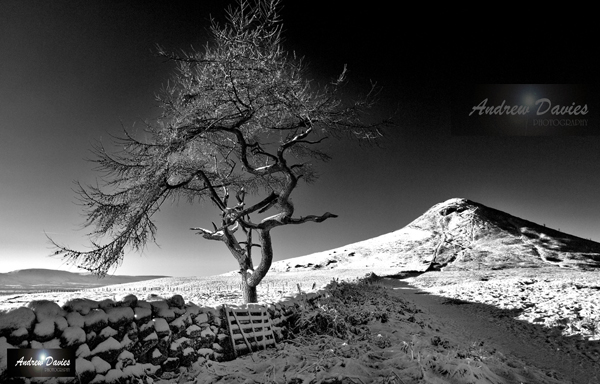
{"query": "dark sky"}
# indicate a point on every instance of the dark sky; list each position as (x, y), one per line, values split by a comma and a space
(71, 72)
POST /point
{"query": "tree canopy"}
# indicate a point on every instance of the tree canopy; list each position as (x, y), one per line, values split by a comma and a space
(239, 118)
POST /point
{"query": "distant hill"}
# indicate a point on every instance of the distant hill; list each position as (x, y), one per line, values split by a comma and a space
(49, 279)
(458, 234)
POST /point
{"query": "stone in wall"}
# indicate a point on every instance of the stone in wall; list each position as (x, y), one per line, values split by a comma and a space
(118, 316)
(86, 370)
(81, 306)
(161, 327)
(75, 319)
(18, 336)
(108, 350)
(95, 320)
(16, 319)
(142, 314)
(72, 337)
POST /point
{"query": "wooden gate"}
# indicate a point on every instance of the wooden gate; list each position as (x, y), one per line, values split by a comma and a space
(250, 328)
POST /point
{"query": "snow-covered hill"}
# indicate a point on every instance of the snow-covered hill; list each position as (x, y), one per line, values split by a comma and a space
(37, 279)
(457, 234)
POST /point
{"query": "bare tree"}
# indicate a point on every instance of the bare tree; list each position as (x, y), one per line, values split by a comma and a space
(239, 119)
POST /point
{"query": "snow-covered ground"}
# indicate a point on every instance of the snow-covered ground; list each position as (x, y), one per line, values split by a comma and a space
(506, 326)
(413, 337)
(564, 300)
(207, 291)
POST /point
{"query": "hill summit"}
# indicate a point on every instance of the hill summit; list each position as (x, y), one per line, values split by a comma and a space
(458, 234)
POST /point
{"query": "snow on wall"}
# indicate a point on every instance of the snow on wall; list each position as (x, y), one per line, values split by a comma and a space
(131, 338)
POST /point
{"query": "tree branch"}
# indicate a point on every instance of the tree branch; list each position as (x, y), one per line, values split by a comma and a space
(314, 218)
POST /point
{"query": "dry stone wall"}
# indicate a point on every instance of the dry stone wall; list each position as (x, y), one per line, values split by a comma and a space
(117, 341)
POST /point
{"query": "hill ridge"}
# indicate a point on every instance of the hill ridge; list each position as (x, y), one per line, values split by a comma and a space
(457, 234)
(35, 279)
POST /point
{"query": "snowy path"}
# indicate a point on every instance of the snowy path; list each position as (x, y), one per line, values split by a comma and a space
(494, 328)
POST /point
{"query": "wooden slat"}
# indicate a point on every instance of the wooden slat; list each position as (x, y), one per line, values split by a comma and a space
(230, 332)
(239, 336)
(245, 327)
(243, 334)
(270, 324)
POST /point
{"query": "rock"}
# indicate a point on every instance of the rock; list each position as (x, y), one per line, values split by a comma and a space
(92, 339)
(44, 331)
(125, 359)
(178, 311)
(115, 376)
(207, 337)
(131, 331)
(188, 357)
(160, 308)
(24, 344)
(86, 371)
(83, 351)
(178, 346)
(118, 316)
(127, 343)
(214, 315)
(144, 304)
(108, 350)
(99, 379)
(145, 344)
(164, 344)
(81, 306)
(75, 319)
(192, 309)
(17, 318)
(171, 364)
(128, 301)
(107, 332)
(158, 304)
(45, 310)
(61, 323)
(161, 327)
(207, 353)
(166, 313)
(157, 357)
(201, 318)
(106, 303)
(176, 301)
(142, 370)
(193, 331)
(142, 314)
(50, 344)
(95, 320)
(101, 365)
(220, 357)
(4, 346)
(145, 330)
(18, 336)
(72, 337)
(178, 325)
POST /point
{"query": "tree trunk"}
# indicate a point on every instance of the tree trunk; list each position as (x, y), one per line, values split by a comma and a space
(248, 292)
(252, 277)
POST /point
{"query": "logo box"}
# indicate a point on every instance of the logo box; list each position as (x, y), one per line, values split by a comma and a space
(524, 110)
(41, 362)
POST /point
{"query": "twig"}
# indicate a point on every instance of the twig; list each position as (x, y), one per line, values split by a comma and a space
(395, 374)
